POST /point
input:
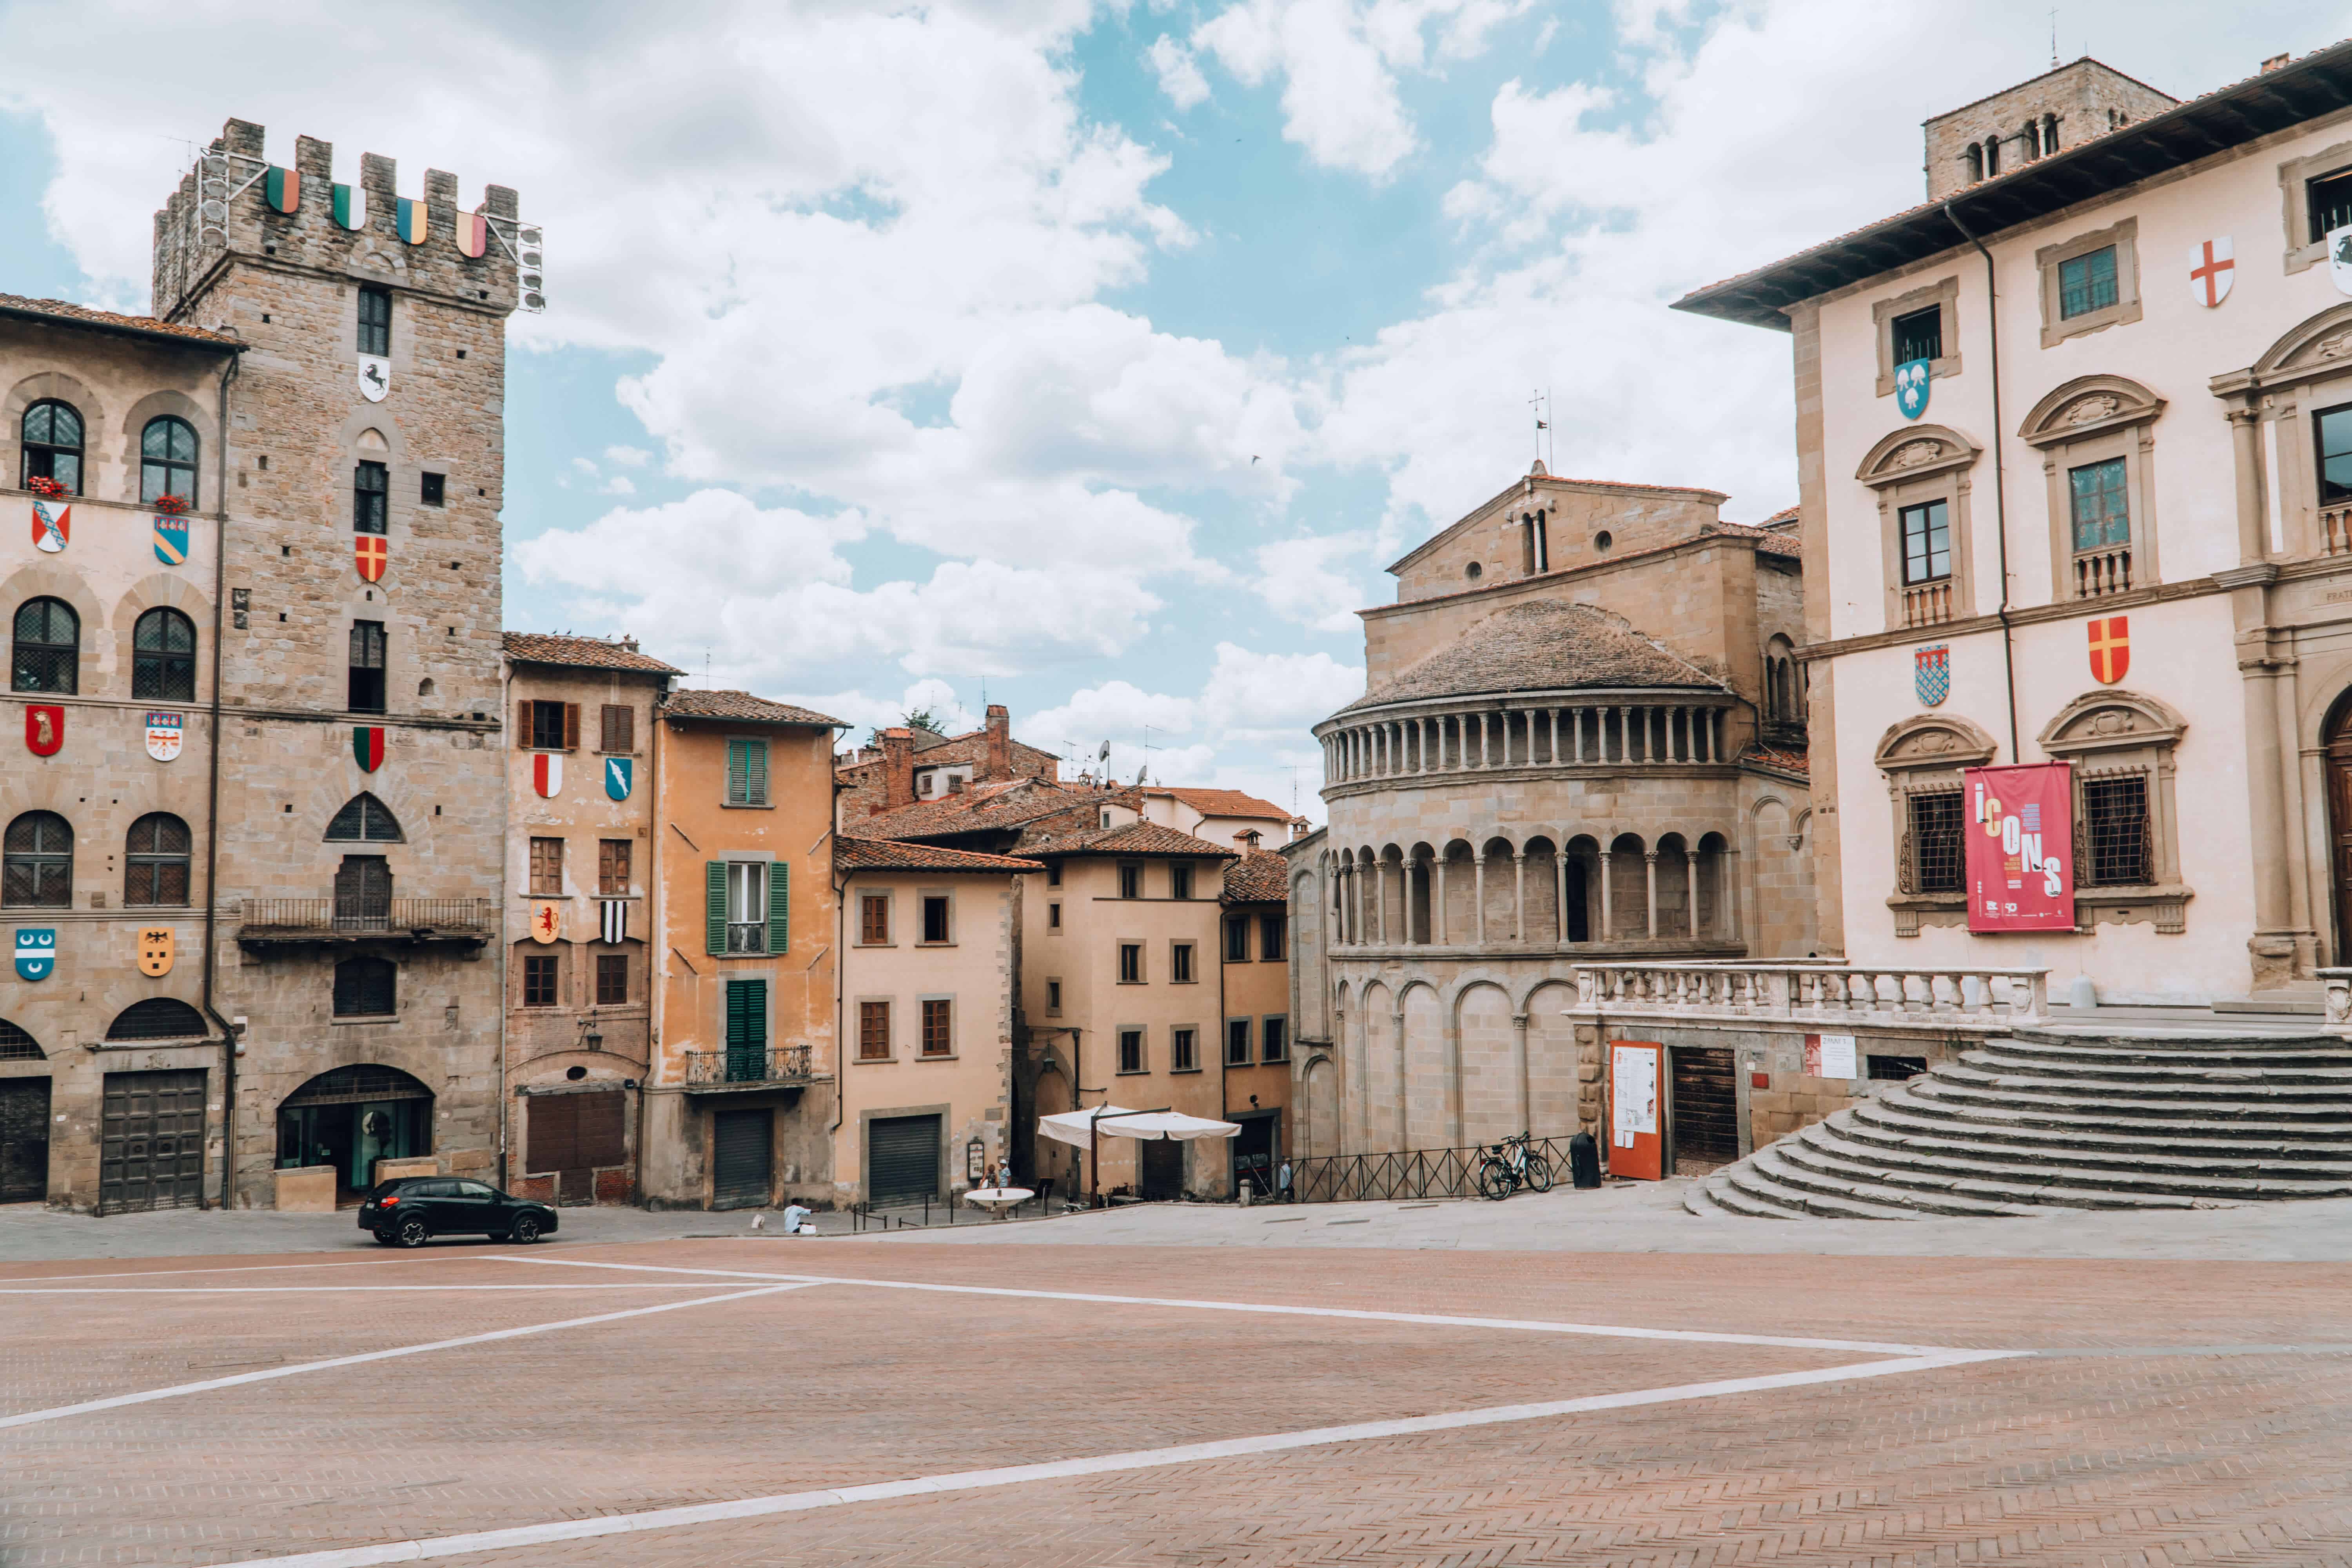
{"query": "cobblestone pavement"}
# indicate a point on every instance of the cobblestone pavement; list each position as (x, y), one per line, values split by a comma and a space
(2162, 1413)
(1625, 1217)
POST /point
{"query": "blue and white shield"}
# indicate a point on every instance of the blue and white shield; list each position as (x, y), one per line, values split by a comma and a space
(1911, 388)
(37, 952)
(620, 772)
(1931, 673)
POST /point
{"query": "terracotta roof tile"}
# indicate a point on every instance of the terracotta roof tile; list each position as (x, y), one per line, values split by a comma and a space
(1541, 645)
(891, 855)
(1003, 805)
(591, 653)
(1223, 801)
(107, 320)
(1788, 758)
(1131, 838)
(743, 706)
(1262, 877)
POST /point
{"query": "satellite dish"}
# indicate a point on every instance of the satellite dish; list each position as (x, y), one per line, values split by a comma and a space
(1103, 756)
(1141, 772)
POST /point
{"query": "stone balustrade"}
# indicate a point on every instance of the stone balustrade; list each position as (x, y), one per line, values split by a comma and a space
(1837, 994)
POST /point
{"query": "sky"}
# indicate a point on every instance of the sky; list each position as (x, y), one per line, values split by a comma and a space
(1090, 359)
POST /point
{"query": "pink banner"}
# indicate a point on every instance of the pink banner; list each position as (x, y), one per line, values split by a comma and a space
(2020, 830)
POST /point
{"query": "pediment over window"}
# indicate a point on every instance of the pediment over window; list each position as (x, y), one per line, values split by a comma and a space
(2111, 720)
(1915, 452)
(2089, 405)
(2320, 343)
(1934, 741)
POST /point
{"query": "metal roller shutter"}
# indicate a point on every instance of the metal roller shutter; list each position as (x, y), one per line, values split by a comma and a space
(902, 1155)
(741, 1157)
(1705, 1108)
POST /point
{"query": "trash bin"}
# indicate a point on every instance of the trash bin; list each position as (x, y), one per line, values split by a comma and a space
(1584, 1160)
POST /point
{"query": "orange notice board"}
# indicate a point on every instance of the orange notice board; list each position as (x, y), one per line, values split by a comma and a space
(1637, 1143)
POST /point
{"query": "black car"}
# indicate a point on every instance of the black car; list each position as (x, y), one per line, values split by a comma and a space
(412, 1210)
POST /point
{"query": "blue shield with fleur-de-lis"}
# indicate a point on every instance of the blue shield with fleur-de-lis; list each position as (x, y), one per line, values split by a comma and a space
(1911, 388)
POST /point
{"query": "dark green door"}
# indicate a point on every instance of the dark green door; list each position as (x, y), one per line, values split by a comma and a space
(747, 1031)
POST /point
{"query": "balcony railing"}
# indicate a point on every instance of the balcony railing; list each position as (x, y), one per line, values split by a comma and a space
(748, 1067)
(1927, 603)
(301, 919)
(1838, 996)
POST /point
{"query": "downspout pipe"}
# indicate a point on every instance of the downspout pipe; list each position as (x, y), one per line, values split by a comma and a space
(2000, 479)
(229, 1042)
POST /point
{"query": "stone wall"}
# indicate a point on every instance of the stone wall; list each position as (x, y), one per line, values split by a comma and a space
(2089, 100)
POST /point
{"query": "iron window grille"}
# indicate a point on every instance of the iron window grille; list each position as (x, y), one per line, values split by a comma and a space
(1919, 335)
(36, 864)
(363, 893)
(538, 981)
(157, 1018)
(2087, 283)
(1927, 542)
(15, 1045)
(1933, 859)
(2330, 201)
(163, 657)
(363, 819)
(366, 988)
(155, 862)
(2113, 837)
(370, 483)
(52, 445)
(47, 649)
(167, 460)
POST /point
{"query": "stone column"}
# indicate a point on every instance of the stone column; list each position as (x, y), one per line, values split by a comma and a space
(1404, 1079)
(1437, 896)
(1559, 899)
(2246, 452)
(1519, 897)
(1381, 901)
(2270, 948)
(1478, 865)
(1650, 868)
(1625, 733)
(1734, 895)
(1485, 750)
(1690, 874)
(1608, 901)
(1555, 737)
(1411, 937)
(1519, 1062)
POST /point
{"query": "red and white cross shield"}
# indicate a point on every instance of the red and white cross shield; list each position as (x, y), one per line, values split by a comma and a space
(2211, 271)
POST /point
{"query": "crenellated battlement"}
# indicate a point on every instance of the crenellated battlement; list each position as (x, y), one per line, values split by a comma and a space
(236, 203)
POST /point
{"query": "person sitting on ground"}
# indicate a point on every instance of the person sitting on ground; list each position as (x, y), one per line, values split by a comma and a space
(796, 1221)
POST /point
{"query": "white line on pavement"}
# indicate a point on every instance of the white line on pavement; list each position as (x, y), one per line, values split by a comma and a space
(252, 1267)
(1531, 1325)
(117, 1401)
(332, 1290)
(417, 1550)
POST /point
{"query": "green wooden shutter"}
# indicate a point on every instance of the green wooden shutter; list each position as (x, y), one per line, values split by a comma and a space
(780, 908)
(747, 1013)
(738, 786)
(756, 772)
(714, 930)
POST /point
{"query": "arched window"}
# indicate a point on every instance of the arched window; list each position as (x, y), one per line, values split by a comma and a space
(52, 445)
(15, 1045)
(155, 861)
(1992, 156)
(363, 820)
(365, 988)
(39, 862)
(167, 460)
(2049, 133)
(163, 657)
(2030, 138)
(47, 647)
(156, 1018)
(1976, 162)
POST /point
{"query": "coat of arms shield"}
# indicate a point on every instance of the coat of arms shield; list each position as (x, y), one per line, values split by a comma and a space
(2110, 649)
(2339, 258)
(163, 733)
(1911, 380)
(1931, 673)
(620, 772)
(370, 552)
(45, 729)
(547, 773)
(171, 538)
(375, 377)
(37, 952)
(52, 525)
(155, 948)
(2213, 267)
(367, 746)
(546, 920)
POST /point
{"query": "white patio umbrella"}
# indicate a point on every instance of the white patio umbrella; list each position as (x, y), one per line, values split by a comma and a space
(1085, 1127)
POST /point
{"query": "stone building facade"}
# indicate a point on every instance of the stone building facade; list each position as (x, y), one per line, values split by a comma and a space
(335, 952)
(578, 917)
(1581, 740)
(2022, 124)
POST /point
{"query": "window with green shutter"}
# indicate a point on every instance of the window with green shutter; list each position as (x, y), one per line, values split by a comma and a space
(714, 930)
(747, 1031)
(780, 908)
(746, 772)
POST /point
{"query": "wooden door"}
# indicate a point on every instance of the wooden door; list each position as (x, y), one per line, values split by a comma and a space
(2339, 831)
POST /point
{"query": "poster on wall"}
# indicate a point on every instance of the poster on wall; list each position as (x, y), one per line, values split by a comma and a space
(1636, 1148)
(2018, 824)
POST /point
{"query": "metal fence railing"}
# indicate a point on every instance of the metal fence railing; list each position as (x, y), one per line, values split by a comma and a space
(742, 1064)
(368, 913)
(1407, 1173)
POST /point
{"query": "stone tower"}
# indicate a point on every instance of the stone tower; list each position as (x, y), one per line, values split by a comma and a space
(356, 948)
(2065, 105)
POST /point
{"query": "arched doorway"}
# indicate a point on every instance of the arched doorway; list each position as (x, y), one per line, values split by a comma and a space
(2339, 819)
(351, 1118)
(1049, 1159)
(24, 1122)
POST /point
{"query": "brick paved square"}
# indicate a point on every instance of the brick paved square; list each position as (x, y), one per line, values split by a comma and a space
(2183, 1410)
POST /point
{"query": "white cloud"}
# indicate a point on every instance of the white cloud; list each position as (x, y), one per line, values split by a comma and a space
(1179, 75)
(1283, 692)
(1306, 580)
(627, 457)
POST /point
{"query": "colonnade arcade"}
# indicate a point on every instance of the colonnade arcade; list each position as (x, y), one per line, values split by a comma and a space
(1536, 892)
(1636, 730)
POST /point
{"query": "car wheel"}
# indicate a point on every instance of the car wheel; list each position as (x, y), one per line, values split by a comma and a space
(412, 1233)
(383, 1238)
(525, 1229)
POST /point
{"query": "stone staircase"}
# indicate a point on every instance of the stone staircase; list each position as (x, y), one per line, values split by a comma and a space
(2069, 1118)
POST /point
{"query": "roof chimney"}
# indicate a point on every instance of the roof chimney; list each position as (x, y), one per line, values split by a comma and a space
(898, 768)
(2273, 63)
(999, 765)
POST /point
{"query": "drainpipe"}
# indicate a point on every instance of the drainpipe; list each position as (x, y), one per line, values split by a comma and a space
(506, 800)
(212, 794)
(1999, 480)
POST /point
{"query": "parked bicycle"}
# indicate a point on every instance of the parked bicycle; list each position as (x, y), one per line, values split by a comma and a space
(1512, 1165)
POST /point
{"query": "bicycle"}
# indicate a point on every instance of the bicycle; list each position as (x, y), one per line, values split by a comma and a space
(1512, 1165)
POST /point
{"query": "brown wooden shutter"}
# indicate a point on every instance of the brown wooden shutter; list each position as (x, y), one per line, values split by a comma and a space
(553, 1132)
(522, 723)
(620, 727)
(572, 726)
